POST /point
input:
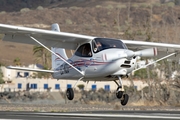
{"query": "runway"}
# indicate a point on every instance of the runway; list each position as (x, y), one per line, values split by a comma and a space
(92, 115)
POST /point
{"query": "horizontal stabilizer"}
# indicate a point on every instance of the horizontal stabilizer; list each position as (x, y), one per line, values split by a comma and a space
(30, 69)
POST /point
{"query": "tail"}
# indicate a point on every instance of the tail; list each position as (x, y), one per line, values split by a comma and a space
(56, 62)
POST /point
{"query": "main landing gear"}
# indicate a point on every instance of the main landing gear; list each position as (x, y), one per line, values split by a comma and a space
(120, 93)
(70, 91)
(70, 94)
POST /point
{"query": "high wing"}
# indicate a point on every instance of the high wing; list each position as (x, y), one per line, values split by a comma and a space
(71, 41)
(162, 48)
(47, 37)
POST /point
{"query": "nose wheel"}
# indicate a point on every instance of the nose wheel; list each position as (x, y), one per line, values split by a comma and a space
(125, 99)
(70, 94)
(120, 93)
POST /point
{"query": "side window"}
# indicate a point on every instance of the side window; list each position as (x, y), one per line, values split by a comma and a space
(84, 50)
(97, 46)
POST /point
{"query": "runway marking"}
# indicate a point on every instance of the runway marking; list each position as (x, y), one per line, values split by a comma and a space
(10, 119)
(114, 115)
(50, 116)
(83, 118)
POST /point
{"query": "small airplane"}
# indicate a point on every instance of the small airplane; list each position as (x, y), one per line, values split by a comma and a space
(95, 58)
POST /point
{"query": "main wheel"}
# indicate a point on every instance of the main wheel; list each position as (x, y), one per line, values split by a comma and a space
(70, 94)
(119, 94)
(125, 99)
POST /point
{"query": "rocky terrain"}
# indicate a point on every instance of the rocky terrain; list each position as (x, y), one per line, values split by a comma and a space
(123, 19)
(83, 101)
(126, 19)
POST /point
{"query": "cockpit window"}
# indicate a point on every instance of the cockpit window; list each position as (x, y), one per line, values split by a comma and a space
(100, 44)
(84, 50)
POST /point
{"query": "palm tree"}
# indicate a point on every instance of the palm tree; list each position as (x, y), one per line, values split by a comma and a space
(42, 55)
(17, 61)
(1, 76)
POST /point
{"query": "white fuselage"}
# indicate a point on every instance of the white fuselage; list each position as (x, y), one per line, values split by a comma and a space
(105, 64)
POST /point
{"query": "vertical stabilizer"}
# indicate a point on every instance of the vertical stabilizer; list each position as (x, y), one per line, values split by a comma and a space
(56, 62)
(55, 27)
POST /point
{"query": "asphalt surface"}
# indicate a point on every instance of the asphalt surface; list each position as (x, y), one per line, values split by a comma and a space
(92, 115)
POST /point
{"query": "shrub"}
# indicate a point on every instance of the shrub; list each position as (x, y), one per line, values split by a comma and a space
(25, 10)
(81, 86)
(40, 8)
(98, 6)
(2, 12)
(170, 4)
(68, 21)
(109, 7)
(121, 6)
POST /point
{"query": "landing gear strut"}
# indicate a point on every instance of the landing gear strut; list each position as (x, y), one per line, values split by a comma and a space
(70, 92)
(120, 93)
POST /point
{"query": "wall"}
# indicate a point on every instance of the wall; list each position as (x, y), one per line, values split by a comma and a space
(11, 75)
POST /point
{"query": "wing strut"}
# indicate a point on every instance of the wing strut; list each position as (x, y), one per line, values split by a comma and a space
(81, 72)
(155, 61)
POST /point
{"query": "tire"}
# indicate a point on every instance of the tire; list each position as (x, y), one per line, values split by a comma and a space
(70, 94)
(125, 99)
(119, 94)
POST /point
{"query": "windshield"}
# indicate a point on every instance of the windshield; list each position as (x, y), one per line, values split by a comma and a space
(100, 44)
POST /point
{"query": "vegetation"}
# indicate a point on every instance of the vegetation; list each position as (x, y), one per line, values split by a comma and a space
(17, 61)
(42, 56)
(1, 76)
(142, 74)
(126, 20)
(156, 90)
(42, 75)
(25, 10)
(68, 21)
(19, 4)
(40, 8)
(81, 86)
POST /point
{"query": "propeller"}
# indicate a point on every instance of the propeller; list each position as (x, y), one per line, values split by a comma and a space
(150, 52)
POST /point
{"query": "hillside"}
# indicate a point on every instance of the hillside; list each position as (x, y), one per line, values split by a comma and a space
(140, 19)
(17, 5)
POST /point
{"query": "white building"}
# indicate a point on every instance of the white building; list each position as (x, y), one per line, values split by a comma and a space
(20, 80)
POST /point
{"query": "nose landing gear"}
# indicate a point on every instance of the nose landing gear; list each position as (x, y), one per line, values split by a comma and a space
(125, 99)
(119, 93)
